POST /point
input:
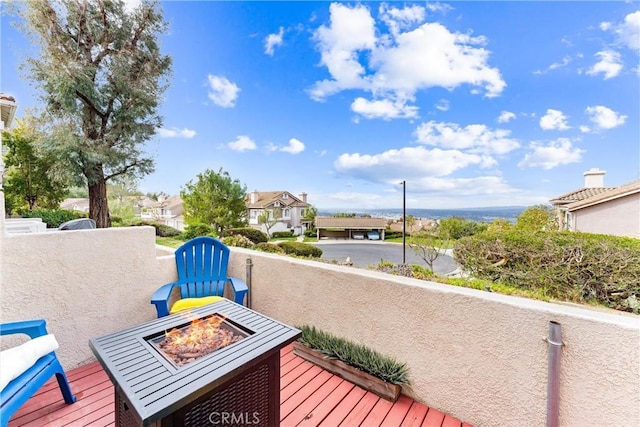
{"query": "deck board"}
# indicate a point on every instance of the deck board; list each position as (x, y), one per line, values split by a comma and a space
(309, 396)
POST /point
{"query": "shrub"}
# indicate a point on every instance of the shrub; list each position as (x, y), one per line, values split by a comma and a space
(54, 217)
(301, 249)
(238, 241)
(196, 230)
(311, 232)
(281, 234)
(253, 234)
(162, 230)
(356, 355)
(457, 228)
(269, 247)
(568, 266)
(388, 234)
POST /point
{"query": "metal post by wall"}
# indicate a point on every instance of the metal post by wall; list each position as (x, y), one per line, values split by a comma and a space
(249, 264)
(404, 222)
(553, 379)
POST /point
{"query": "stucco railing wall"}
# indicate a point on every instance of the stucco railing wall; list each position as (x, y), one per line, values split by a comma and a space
(84, 283)
(479, 356)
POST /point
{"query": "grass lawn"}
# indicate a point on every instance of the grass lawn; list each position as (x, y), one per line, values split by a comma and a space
(171, 242)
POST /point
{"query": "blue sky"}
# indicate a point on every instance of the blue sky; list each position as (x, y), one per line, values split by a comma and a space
(473, 104)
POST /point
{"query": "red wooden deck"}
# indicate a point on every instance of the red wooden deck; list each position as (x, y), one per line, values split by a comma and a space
(309, 396)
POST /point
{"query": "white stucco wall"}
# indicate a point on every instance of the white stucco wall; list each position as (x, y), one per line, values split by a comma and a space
(476, 355)
(84, 283)
(620, 217)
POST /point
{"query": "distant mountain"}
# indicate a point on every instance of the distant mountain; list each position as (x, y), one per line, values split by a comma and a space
(487, 214)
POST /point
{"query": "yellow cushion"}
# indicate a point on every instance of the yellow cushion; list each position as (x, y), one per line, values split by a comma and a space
(189, 303)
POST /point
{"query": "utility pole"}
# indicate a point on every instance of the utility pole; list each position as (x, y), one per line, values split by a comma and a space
(404, 222)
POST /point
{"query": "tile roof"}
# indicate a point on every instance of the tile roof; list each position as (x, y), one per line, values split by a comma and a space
(268, 198)
(333, 222)
(581, 194)
(613, 193)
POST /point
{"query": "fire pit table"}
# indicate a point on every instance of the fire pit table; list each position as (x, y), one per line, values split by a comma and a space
(217, 364)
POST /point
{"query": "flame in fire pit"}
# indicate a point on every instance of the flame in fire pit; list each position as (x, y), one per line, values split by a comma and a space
(203, 336)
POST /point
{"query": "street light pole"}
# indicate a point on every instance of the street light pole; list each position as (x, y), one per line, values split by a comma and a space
(404, 222)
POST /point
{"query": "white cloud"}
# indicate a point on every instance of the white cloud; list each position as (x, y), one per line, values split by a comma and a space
(556, 153)
(176, 133)
(242, 143)
(392, 67)
(438, 7)
(383, 109)
(565, 61)
(628, 31)
(273, 40)
(409, 162)
(610, 64)
(399, 19)
(554, 120)
(585, 129)
(222, 92)
(605, 118)
(295, 147)
(443, 105)
(475, 138)
(506, 117)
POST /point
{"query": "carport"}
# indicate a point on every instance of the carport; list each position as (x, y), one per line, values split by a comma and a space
(328, 227)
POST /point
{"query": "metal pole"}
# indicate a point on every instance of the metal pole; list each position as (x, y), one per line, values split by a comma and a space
(248, 281)
(553, 378)
(404, 222)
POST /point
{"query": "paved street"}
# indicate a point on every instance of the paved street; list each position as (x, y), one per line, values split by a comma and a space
(370, 253)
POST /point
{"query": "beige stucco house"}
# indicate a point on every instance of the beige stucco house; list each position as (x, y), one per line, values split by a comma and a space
(168, 211)
(287, 210)
(599, 209)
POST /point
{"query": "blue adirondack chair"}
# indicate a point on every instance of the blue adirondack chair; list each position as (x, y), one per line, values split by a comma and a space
(202, 275)
(20, 389)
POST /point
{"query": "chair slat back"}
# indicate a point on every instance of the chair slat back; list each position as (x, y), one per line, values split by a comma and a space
(202, 267)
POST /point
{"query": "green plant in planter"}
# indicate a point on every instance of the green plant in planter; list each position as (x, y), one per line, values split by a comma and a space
(356, 355)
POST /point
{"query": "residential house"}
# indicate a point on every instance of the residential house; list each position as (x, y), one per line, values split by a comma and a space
(599, 209)
(168, 211)
(75, 204)
(285, 210)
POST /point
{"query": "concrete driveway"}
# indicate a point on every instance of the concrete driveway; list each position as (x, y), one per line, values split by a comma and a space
(364, 254)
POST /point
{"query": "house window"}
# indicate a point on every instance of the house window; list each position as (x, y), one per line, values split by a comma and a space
(286, 214)
(276, 204)
(252, 214)
(285, 196)
(301, 212)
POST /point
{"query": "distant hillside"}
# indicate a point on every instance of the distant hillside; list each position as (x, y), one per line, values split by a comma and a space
(487, 214)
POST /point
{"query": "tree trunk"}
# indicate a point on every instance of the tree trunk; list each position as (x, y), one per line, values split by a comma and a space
(98, 204)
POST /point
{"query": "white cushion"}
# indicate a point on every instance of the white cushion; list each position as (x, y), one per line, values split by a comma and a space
(16, 360)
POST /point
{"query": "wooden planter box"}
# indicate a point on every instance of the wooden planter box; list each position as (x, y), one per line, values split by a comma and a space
(362, 379)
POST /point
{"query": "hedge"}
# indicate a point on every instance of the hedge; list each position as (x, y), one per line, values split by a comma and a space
(281, 234)
(162, 230)
(54, 217)
(569, 266)
(301, 249)
(253, 234)
(196, 230)
(269, 247)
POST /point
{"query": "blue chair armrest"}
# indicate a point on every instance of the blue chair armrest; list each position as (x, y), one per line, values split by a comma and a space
(160, 299)
(240, 289)
(33, 328)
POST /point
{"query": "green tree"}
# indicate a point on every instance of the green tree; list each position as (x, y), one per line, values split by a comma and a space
(537, 218)
(123, 195)
(429, 244)
(102, 76)
(269, 218)
(215, 199)
(33, 178)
